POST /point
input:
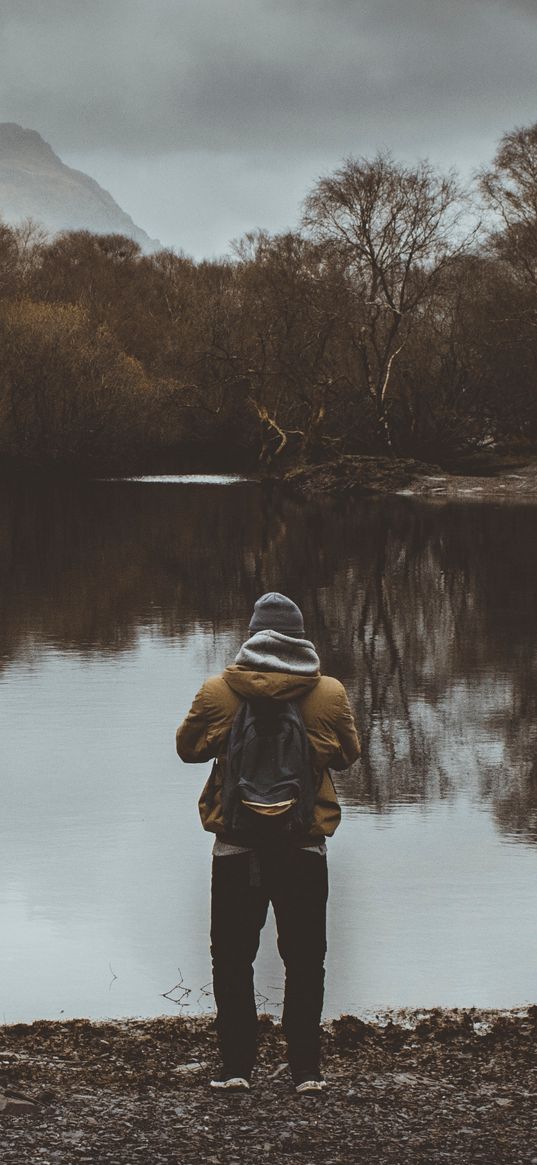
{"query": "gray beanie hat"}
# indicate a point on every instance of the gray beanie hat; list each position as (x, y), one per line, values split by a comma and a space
(275, 612)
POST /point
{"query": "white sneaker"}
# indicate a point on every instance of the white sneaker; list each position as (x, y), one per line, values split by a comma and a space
(231, 1084)
(308, 1087)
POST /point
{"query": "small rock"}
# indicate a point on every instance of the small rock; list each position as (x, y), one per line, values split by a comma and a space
(17, 1094)
(46, 1096)
(10, 1104)
(404, 1078)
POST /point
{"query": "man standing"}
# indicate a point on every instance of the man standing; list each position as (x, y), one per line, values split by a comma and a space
(276, 664)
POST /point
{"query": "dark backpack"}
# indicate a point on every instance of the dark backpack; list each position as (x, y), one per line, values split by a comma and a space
(268, 762)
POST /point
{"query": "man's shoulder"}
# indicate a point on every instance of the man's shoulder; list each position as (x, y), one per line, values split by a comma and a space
(214, 682)
(327, 691)
(215, 690)
(330, 682)
(329, 686)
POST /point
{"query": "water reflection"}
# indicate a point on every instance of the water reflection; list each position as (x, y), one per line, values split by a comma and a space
(428, 614)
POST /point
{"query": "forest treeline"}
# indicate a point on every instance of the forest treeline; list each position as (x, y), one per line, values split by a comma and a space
(401, 317)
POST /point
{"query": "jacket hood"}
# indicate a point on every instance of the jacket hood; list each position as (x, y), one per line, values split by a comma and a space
(273, 664)
(278, 685)
(275, 651)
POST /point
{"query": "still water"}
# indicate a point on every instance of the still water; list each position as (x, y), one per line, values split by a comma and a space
(118, 598)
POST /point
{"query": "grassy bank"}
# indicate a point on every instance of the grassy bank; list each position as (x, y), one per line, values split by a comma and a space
(456, 1086)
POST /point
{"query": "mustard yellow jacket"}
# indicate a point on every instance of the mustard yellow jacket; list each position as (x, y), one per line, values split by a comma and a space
(327, 718)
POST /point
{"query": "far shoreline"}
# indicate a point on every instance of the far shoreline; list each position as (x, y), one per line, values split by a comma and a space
(482, 477)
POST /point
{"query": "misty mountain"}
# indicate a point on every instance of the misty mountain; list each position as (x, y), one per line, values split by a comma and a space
(35, 183)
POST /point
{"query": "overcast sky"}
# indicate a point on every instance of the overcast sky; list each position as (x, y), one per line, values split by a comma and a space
(207, 118)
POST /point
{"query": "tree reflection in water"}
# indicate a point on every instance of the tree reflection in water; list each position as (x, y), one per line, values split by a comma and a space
(428, 613)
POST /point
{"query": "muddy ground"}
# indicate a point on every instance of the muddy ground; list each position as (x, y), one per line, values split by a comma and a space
(457, 1087)
(511, 478)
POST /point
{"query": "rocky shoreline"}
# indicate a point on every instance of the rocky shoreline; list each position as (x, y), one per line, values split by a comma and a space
(453, 1086)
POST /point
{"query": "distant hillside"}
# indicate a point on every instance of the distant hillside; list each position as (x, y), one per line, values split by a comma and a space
(35, 183)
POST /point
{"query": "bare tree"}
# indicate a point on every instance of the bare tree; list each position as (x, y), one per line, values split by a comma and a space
(395, 228)
(509, 188)
(30, 239)
(8, 260)
(290, 339)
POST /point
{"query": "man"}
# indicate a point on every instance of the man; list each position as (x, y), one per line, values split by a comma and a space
(277, 662)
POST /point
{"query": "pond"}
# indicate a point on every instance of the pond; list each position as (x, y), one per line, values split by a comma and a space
(119, 598)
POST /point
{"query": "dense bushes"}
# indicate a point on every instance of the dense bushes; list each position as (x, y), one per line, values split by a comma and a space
(67, 391)
(390, 321)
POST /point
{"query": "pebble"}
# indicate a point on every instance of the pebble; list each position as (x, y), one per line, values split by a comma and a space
(12, 1104)
(46, 1096)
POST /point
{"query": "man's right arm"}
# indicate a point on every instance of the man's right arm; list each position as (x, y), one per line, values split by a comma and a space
(349, 741)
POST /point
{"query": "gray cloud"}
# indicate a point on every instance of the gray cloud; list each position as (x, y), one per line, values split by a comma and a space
(280, 80)
(225, 75)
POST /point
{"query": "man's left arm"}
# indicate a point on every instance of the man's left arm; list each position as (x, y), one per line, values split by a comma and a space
(191, 738)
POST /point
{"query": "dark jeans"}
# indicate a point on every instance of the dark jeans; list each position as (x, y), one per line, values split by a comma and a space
(296, 882)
